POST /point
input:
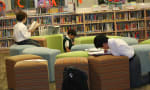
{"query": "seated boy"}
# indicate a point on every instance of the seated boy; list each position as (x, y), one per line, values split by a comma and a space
(68, 40)
(21, 34)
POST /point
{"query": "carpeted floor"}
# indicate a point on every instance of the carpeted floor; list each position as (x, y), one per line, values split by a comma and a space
(3, 79)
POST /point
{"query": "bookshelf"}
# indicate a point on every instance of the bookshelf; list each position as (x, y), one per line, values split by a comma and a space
(129, 23)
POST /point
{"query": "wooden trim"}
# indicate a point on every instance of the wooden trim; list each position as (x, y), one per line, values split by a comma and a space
(4, 51)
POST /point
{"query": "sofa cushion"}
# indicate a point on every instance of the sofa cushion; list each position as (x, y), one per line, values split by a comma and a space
(47, 54)
(82, 47)
(17, 49)
(73, 54)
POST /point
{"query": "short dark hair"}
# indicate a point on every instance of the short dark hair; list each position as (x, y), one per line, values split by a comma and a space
(20, 16)
(100, 40)
(72, 32)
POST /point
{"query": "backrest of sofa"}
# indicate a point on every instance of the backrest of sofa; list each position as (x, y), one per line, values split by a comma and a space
(89, 39)
(53, 41)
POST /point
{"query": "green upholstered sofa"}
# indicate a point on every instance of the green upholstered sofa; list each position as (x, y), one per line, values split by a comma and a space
(56, 41)
(145, 42)
(73, 54)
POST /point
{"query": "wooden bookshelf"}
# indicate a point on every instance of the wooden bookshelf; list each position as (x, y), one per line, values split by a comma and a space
(123, 22)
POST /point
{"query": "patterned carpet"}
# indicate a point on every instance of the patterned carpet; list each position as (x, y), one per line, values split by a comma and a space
(3, 79)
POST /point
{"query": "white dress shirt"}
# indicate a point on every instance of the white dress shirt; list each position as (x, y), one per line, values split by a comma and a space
(119, 47)
(21, 32)
(67, 42)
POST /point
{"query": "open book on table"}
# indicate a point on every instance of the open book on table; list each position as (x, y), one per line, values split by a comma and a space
(34, 25)
(98, 52)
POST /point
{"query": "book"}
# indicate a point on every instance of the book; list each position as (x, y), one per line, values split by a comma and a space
(97, 52)
(34, 25)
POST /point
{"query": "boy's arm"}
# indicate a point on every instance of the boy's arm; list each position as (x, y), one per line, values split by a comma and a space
(67, 49)
(67, 46)
(33, 30)
(33, 26)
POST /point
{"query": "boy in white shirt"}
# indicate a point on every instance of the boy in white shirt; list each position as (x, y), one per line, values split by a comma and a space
(118, 47)
(21, 34)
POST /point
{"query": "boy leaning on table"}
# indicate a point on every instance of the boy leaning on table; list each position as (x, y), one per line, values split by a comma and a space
(21, 34)
(118, 47)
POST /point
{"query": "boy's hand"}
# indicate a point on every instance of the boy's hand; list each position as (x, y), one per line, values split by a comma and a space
(67, 49)
(73, 43)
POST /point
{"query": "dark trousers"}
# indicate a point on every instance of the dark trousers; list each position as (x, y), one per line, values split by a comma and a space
(29, 42)
(136, 78)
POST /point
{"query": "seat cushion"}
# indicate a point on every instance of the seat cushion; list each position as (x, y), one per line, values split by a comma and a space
(31, 75)
(10, 67)
(17, 49)
(47, 54)
(109, 72)
(77, 62)
(73, 54)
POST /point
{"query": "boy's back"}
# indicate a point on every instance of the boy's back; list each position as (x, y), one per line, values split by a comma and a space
(21, 32)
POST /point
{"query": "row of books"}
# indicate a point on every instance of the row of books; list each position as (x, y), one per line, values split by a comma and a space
(136, 15)
(122, 15)
(68, 19)
(11, 22)
(130, 25)
(119, 16)
(6, 43)
(7, 23)
(138, 34)
(105, 27)
(6, 33)
(148, 34)
(148, 25)
(99, 17)
(78, 28)
(41, 20)
(148, 13)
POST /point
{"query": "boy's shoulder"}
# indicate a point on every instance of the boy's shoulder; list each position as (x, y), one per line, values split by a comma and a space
(66, 37)
(20, 25)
